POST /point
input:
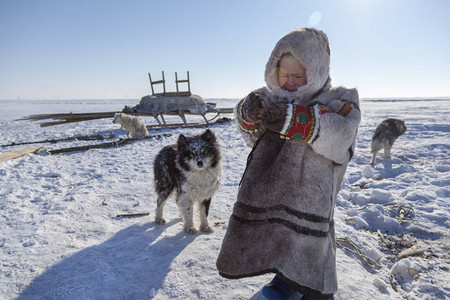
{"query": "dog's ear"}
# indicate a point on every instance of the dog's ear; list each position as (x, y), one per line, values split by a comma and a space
(181, 140)
(208, 135)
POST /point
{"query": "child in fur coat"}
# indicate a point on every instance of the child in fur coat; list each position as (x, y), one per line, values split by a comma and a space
(303, 135)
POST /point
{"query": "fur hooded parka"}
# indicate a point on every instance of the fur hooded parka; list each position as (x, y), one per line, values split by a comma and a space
(282, 221)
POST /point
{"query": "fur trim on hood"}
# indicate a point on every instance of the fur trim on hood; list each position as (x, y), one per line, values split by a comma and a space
(311, 48)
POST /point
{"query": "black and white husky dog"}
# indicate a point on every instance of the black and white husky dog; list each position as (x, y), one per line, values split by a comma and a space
(385, 135)
(191, 168)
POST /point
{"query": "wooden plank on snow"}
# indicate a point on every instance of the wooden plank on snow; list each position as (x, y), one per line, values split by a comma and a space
(17, 153)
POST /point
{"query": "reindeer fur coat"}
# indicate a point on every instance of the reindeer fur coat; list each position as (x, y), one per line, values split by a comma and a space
(282, 221)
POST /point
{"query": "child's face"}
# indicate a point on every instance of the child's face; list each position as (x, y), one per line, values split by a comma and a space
(291, 74)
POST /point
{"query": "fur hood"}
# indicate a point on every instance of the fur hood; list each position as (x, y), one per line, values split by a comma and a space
(311, 48)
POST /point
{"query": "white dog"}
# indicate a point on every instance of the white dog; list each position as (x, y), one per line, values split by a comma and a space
(132, 124)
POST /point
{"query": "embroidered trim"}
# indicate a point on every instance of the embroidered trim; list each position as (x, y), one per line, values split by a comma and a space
(345, 109)
(324, 110)
(290, 112)
(318, 111)
(244, 125)
(301, 124)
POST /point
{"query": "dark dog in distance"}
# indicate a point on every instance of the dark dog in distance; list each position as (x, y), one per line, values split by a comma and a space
(385, 135)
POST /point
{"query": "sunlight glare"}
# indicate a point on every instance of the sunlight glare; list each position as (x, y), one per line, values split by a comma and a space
(314, 18)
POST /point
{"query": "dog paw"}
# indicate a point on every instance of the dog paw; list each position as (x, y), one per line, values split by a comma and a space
(206, 229)
(160, 221)
(190, 230)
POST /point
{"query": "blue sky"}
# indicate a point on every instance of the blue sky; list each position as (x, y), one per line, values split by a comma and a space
(103, 49)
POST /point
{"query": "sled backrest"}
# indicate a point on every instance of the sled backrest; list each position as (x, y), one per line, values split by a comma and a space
(172, 94)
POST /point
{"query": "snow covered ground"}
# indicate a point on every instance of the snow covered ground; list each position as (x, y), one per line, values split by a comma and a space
(61, 237)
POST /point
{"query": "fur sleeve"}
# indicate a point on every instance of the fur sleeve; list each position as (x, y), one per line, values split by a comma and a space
(337, 117)
(329, 124)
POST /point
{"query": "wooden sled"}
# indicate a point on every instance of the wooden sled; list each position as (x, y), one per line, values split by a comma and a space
(159, 111)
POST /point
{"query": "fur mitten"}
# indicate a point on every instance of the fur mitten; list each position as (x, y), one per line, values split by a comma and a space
(274, 115)
(252, 108)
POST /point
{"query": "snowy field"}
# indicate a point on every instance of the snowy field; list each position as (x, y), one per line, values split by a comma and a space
(61, 237)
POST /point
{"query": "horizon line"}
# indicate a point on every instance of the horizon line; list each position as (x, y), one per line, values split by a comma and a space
(225, 98)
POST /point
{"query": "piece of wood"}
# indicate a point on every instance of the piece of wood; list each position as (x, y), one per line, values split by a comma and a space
(188, 92)
(132, 215)
(350, 220)
(163, 81)
(18, 153)
(347, 244)
(412, 251)
(63, 118)
(95, 137)
(126, 141)
(175, 94)
(106, 145)
(189, 125)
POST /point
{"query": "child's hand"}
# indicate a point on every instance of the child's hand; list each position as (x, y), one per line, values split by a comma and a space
(274, 115)
(252, 108)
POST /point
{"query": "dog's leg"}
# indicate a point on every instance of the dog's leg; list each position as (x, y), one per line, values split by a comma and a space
(372, 161)
(128, 134)
(185, 206)
(159, 210)
(387, 152)
(203, 208)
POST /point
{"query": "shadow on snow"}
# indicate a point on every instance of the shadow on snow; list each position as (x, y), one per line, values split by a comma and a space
(133, 264)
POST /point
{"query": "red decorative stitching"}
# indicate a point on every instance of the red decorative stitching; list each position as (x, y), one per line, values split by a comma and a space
(302, 124)
(324, 110)
(244, 125)
(345, 109)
